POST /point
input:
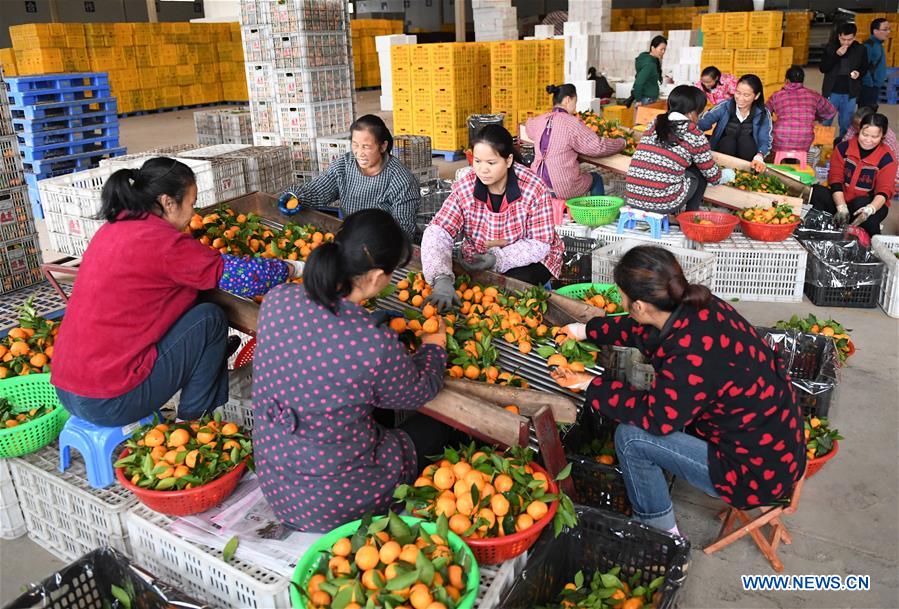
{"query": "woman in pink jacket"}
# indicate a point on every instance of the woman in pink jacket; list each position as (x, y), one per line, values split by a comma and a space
(559, 137)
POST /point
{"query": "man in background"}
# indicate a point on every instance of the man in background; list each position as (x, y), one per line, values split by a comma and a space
(877, 64)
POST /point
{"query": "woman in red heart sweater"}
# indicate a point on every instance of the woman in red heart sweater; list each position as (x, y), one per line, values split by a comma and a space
(721, 412)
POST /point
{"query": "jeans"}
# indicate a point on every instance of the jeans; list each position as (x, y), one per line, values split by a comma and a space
(647, 100)
(845, 106)
(822, 198)
(869, 97)
(643, 456)
(597, 189)
(191, 357)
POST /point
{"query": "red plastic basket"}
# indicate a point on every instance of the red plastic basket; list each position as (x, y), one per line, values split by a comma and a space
(499, 549)
(189, 501)
(817, 463)
(723, 224)
(767, 232)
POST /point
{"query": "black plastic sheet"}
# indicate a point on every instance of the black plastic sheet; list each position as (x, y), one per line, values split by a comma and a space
(819, 225)
(812, 359)
(837, 264)
(88, 583)
(478, 121)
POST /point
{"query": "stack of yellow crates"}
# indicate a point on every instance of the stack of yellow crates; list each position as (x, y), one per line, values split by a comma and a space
(520, 70)
(747, 43)
(796, 34)
(863, 22)
(150, 65)
(365, 56)
(680, 18)
(550, 69)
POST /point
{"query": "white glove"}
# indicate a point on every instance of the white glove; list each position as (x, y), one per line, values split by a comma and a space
(295, 268)
(576, 331)
(728, 175)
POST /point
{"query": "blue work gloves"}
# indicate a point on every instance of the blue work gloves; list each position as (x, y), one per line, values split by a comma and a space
(288, 204)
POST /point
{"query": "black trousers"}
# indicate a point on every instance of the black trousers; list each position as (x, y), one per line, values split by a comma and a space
(822, 198)
(535, 274)
(696, 189)
(429, 436)
(742, 146)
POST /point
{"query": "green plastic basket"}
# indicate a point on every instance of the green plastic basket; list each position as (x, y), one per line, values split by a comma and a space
(309, 563)
(576, 291)
(594, 211)
(25, 393)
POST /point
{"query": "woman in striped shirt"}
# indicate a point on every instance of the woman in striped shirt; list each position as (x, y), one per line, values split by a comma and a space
(368, 177)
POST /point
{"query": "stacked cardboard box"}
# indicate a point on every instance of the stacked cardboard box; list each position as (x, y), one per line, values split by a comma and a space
(494, 20)
(150, 65)
(365, 53)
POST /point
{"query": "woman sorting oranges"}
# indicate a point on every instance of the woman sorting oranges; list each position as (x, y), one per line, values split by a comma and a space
(504, 213)
(721, 412)
(322, 365)
(133, 334)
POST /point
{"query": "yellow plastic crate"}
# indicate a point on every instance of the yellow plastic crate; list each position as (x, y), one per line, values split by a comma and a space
(8, 62)
(448, 97)
(622, 114)
(713, 22)
(786, 57)
(714, 40)
(757, 59)
(421, 99)
(766, 20)
(736, 40)
(449, 139)
(401, 55)
(422, 119)
(39, 61)
(451, 54)
(420, 56)
(764, 39)
(513, 76)
(453, 117)
(420, 77)
(451, 78)
(513, 52)
(736, 22)
(798, 19)
(30, 36)
(402, 120)
(723, 59)
(402, 96)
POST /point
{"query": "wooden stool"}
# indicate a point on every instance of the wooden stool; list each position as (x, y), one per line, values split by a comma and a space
(769, 515)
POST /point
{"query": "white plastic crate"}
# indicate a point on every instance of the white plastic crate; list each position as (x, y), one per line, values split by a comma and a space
(12, 521)
(303, 154)
(604, 235)
(240, 383)
(497, 579)
(886, 248)
(199, 570)
(758, 271)
(62, 512)
(306, 86)
(426, 174)
(73, 226)
(239, 411)
(301, 121)
(310, 50)
(264, 116)
(330, 148)
(306, 16)
(64, 244)
(75, 194)
(573, 229)
(257, 43)
(261, 81)
(699, 267)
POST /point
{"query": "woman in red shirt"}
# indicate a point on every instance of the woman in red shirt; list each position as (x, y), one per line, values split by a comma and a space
(720, 413)
(133, 334)
(862, 178)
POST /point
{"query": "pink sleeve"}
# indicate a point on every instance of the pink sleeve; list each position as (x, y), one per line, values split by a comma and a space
(540, 235)
(586, 142)
(191, 264)
(436, 253)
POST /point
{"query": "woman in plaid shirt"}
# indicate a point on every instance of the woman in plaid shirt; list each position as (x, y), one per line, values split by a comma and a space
(504, 213)
(369, 177)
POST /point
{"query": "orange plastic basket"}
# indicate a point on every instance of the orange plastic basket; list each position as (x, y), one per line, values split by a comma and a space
(767, 232)
(189, 501)
(817, 463)
(723, 225)
(499, 549)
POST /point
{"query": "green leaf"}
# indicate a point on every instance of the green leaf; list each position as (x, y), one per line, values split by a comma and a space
(399, 530)
(378, 525)
(425, 568)
(545, 352)
(656, 583)
(403, 581)
(443, 527)
(579, 579)
(121, 596)
(166, 483)
(610, 581)
(638, 591)
(230, 549)
(125, 461)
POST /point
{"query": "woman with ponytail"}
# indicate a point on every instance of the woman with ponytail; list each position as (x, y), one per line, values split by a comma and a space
(673, 163)
(133, 334)
(323, 363)
(559, 137)
(721, 412)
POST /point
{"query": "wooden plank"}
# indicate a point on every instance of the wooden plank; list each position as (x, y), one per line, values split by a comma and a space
(483, 421)
(528, 401)
(551, 447)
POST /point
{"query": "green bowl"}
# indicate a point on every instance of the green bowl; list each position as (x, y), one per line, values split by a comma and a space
(594, 211)
(309, 563)
(25, 393)
(576, 291)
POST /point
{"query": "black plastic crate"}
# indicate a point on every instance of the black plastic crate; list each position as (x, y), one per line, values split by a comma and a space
(88, 583)
(812, 361)
(596, 484)
(858, 297)
(577, 261)
(601, 541)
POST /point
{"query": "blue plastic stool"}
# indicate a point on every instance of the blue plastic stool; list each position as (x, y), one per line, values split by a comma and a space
(658, 223)
(96, 445)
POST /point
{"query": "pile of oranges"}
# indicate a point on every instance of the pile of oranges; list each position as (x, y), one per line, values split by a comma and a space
(607, 590)
(10, 418)
(776, 214)
(603, 299)
(483, 493)
(390, 563)
(828, 327)
(185, 454)
(28, 348)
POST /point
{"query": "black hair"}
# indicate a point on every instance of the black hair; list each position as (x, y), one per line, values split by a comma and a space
(713, 72)
(136, 192)
(591, 73)
(684, 99)
(657, 40)
(875, 25)
(875, 120)
(368, 239)
(652, 274)
(845, 29)
(560, 92)
(755, 83)
(374, 125)
(795, 74)
(499, 139)
(861, 112)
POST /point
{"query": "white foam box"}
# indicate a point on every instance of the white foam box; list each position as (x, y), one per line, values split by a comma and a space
(623, 89)
(543, 32)
(386, 103)
(586, 92)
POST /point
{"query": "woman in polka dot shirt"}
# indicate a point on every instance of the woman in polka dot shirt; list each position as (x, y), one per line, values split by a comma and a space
(322, 365)
(721, 412)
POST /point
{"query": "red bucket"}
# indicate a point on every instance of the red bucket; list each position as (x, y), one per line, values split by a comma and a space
(818, 462)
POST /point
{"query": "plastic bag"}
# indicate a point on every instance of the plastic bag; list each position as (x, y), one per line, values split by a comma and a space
(812, 359)
(818, 225)
(838, 264)
(477, 121)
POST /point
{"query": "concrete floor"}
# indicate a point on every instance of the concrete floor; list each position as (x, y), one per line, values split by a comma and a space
(847, 520)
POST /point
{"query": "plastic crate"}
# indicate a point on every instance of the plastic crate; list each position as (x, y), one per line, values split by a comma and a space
(306, 16)
(310, 50)
(813, 364)
(736, 22)
(605, 235)
(736, 40)
(723, 59)
(573, 229)
(766, 20)
(302, 121)
(330, 148)
(511, 52)
(601, 540)
(200, 570)
(20, 264)
(713, 40)
(306, 86)
(16, 218)
(886, 248)
(62, 512)
(698, 267)
(712, 22)
(12, 521)
(595, 484)
(11, 170)
(240, 411)
(765, 39)
(756, 270)
(757, 59)
(577, 265)
(855, 297)
(261, 80)
(843, 283)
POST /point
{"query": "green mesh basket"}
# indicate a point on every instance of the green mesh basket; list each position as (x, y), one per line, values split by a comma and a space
(25, 393)
(594, 211)
(577, 291)
(309, 563)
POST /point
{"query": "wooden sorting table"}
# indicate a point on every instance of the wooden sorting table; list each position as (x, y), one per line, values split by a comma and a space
(475, 408)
